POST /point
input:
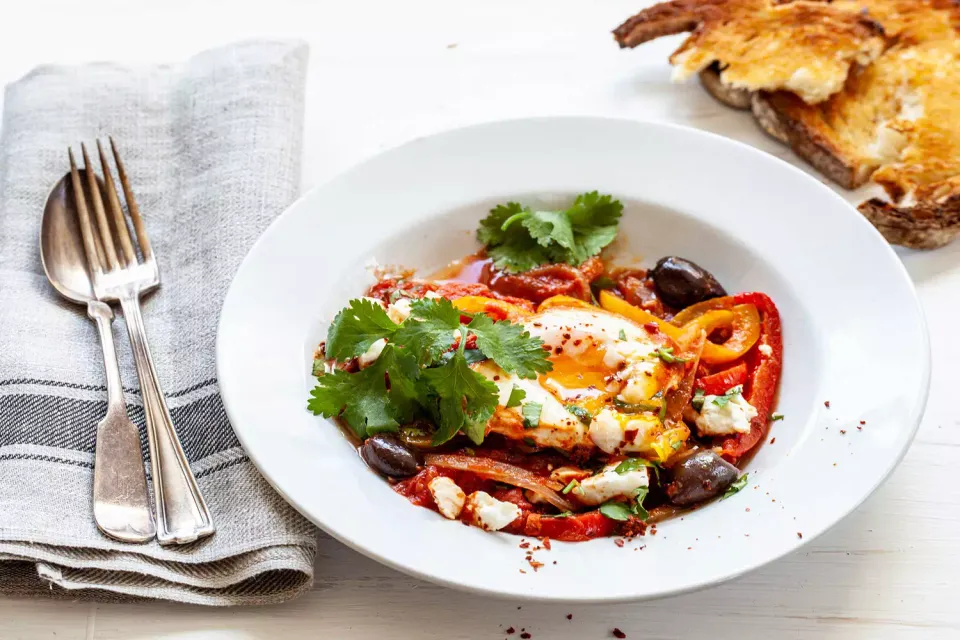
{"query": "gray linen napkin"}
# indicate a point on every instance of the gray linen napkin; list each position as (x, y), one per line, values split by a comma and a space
(212, 147)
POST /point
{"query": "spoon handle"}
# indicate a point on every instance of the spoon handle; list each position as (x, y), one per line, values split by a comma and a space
(121, 503)
(182, 514)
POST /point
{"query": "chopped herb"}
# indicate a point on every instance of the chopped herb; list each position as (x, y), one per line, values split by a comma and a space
(642, 407)
(516, 395)
(573, 484)
(427, 377)
(663, 411)
(666, 354)
(776, 416)
(616, 511)
(697, 401)
(676, 445)
(584, 415)
(562, 514)
(639, 494)
(737, 485)
(518, 238)
(623, 334)
(721, 401)
(603, 282)
(531, 414)
(633, 464)
(530, 442)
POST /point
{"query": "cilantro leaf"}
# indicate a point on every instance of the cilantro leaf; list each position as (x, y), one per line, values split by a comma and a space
(516, 395)
(697, 401)
(721, 401)
(356, 327)
(428, 332)
(616, 511)
(519, 239)
(466, 399)
(639, 494)
(666, 354)
(510, 346)
(737, 485)
(776, 416)
(633, 464)
(531, 414)
(363, 398)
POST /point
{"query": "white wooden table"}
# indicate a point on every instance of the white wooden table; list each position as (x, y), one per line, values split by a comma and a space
(385, 72)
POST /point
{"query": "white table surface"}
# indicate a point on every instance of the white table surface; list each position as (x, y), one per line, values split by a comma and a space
(382, 73)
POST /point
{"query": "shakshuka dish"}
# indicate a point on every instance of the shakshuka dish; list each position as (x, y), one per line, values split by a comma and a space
(535, 389)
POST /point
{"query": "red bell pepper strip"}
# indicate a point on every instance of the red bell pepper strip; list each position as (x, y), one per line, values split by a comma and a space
(719, 383)
(763, 374)
(574, 528)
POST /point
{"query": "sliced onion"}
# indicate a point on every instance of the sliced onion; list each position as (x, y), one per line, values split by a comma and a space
(505, 473)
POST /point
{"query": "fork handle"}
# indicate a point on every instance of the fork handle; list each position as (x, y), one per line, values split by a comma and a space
(182, 513)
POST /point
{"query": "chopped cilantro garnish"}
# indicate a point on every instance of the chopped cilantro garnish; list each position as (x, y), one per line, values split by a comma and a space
(519, 238)
(737, 485)
(731, 393)
(562, 514)
(622, 335)
(626, 407)
(633, 464)
(581, 413)
(573, 484)
(531, 414)
(530, 442)
(639, 494)
(666, 354)
(516, 395)
(697, 401)
(357, 327)
(776, 416)
(418, 372)
(676, 445)
(510, 346)
(616, 510)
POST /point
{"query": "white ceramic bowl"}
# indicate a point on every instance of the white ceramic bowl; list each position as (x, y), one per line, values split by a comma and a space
(854, 335)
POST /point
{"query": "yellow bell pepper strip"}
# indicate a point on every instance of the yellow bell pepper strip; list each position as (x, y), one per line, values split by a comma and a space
(615, 304)
(742, 320)
(563, 301)
(745, 327)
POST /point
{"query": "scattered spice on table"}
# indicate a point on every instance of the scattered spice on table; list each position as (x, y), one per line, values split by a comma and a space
(617, 633)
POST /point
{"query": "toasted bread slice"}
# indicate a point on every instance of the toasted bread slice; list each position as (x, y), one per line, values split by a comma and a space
(804, 47)
(730, 96)
(895, 121)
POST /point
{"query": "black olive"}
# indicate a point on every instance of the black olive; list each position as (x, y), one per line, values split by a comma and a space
(384, 452)
(681, 283)
(698, 477)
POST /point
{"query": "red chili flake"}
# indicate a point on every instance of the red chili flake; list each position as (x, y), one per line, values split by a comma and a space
(496, 378)
(546, 543)
(617, 633)
(566, 336)
(558, 350)
(511, 631)
(651, 327)
(554, 562)
(773, 439)
(843, 431)
(525, 635)
(522, 571)
(863, 422)
(799, 535)
(536, 565)
(747, 509)
(859, 428)
(618, 542)
(524, 545)
(569, 616)
(826, 403)
(577, 342)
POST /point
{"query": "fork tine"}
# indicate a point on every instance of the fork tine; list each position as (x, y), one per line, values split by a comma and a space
(89, 247)
(104, 227)
(132, 205)
(113, 203)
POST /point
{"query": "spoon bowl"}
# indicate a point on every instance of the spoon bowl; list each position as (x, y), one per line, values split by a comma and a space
(61, 246)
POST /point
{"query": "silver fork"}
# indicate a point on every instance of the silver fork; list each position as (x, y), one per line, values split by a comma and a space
(119, 276)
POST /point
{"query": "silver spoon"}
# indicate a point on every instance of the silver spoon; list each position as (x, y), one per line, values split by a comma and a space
(121, 505)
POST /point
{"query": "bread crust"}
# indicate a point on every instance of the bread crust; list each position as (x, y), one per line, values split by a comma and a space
(730, 96)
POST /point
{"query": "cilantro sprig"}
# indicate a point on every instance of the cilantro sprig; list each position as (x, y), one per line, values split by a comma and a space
(419, 372)
(519, 238)
(733, 392)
